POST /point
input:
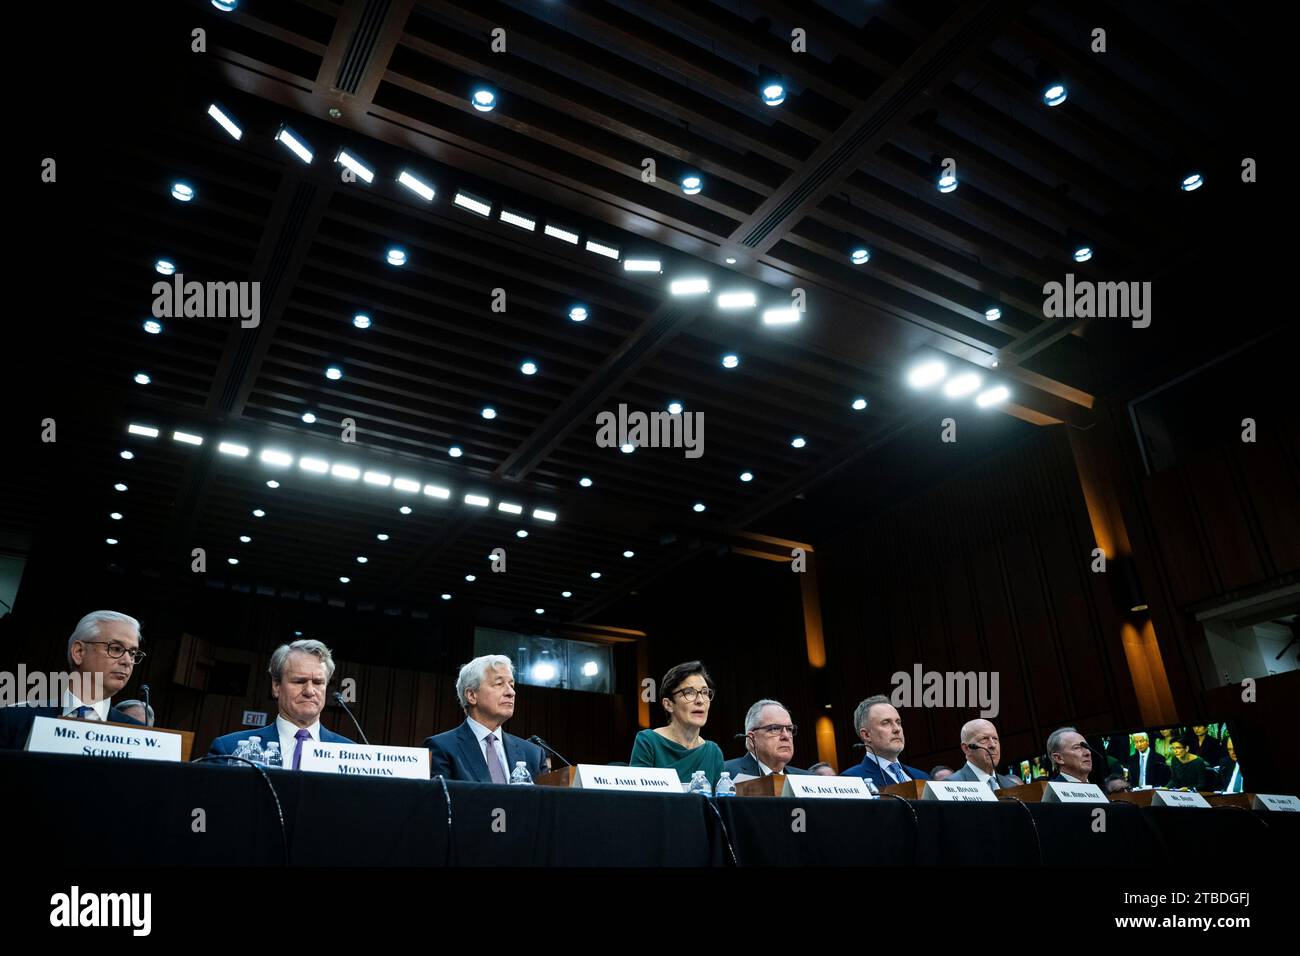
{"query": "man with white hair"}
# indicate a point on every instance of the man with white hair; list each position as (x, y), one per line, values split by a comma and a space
(300, 673)
(769, 742)
(139, 710)
(102, 653)
(980, 744)
(479, 750)
(1146, 768)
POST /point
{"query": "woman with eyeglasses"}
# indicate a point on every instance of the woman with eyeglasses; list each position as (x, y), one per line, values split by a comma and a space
(686, 693)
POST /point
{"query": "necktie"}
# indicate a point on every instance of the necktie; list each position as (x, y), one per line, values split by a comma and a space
(993, 783)
(82, 712)
(1142, 774)
(896, 770)
(493, 761)
(302, 734)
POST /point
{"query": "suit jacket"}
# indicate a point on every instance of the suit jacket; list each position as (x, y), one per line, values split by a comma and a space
(457, 755)
(16, 723)
(748, 764)
(872, 771)
(225, 745)
(966, 773)
(1157, 769)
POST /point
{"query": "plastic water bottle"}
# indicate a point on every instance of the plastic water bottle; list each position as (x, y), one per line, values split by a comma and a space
(872, 788)
(241, 749)
(255, 753)
(726, 786)
(273, 756)
(700, 784)
(520, 775)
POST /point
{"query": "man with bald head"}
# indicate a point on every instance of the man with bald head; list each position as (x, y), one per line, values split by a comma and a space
(983, 750)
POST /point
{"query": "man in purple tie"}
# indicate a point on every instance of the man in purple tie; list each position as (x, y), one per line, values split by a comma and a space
(479, 750)
(300, 674)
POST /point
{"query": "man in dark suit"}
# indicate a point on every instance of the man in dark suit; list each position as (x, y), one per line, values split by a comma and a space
(879, 726)
(300, 674)
(102, 653)
(1146, 768)
(479, 750)
(979, 741)
(769, 742)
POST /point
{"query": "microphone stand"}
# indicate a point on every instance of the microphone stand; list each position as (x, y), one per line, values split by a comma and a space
(339, 698)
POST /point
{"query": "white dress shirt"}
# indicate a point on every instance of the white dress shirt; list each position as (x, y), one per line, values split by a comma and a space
(766, 770)
(286, 733)
(1066, 776)
(981, 775)
(99, 709)
(480, 734)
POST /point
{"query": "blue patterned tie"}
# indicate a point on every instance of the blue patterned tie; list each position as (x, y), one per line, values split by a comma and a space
(896, 769)
(81, 712)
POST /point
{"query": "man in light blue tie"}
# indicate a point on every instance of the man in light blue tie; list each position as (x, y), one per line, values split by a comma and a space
(880, 728)
(1146, 768)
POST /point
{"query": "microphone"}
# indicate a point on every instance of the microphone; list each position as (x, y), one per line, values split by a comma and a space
(992, 763)
(339, 698)
(548, 748)
(144, 691)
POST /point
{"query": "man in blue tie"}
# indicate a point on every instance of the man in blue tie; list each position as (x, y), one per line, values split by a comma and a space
(880, 728)
(300, 673)
(102, 653)
(479, 750)
(1146, 768)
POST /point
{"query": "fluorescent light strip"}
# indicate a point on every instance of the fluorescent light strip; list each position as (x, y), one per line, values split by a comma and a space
(346, 472)
(510, 509)
(515, 219)
(780, 316)
(148, 431)
(437, 491)
(187, 438)
(226, 122)
(555, 232)
(737, 300)
(694, 286)
(296, 146)
(357, 166)
(416, 185)
(318, 465)
(542, 515)
(642, 265)
(473, 203)
(273, 457)
(378, 478)
(601, 249)
(406, 484)
(230, 448)
(477, 500)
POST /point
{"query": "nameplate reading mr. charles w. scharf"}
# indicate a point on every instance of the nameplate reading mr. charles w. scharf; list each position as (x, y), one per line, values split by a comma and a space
(90, 738)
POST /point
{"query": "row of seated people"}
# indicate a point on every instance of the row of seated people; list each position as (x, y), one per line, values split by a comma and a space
(105, 647)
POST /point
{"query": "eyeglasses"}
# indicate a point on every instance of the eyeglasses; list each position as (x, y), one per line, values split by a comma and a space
(116, 650)
(690, 693)
(774, 730)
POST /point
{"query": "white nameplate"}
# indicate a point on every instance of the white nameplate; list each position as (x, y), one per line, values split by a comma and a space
(366, 761)
(962, 791)
(594, 776)
(1277, 801)
(1178, 798)
(1065, 792)
(817, 786)
(90, 738)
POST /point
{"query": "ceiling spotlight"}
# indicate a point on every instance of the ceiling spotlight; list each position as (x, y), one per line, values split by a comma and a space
(165, 267)
(381, 536)
(859, 404)
(152, 326)
(416, 185)
(730, 260)
(232, 560)
(698, 506)
(128, 455)
(343, 579)
(927, 374)
(993, 314)
(334, 373)
(290, 139)
(1083, 254)
(244, 539)
(489, 412)
(119, 487)
(362, 559)
(183, 192)
(446, 596)
(692, 286)
(746, 476)
(348, 161)
(1054, 94)
(947, 182)
(860, 256)
(116, 515)
(773, 93)
(993, 396)
(566, 594)
(405, 509)
(1191, 182)
(142, 379)
(542, 610)
(585, 482)
(961, 385)
(521, 533)
(308, 418)
(798, 441)
(396, 256)
(595, 575)
(484, 99)
(471, 202)
(455, 451)
(629, 554)
(225, 6)
(273, 484)
(578, 313)
(110, 540)
(361, 320)
(627, 448)
(471, 578)
(692, 183)
(259, 513)
(730, 360)
(674, 408)
(528, 368)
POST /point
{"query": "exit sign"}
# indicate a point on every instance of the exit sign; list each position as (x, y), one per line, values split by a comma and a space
(254, 718)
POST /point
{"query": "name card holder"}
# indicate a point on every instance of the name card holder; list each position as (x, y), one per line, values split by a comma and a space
(1057, 792)
(1178, 798)
(409, 763)
(591, 776)
(105, 739)
(958, 791)
(817, 787)
(1277, 802)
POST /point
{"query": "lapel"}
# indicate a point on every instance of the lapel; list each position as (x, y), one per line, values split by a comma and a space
(749, 764)
(471, 754)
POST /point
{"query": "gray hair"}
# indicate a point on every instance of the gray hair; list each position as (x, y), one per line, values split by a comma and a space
(281, 657)
(864, 708)
(1054, 741)
(751, 716)
(472, 674)
(1143, 734)
(87, 628)
(147, 708)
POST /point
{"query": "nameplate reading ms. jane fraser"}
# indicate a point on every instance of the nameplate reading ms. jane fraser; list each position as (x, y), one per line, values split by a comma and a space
(360, 760)
(89, 738)
(592, 776)
(817, 786)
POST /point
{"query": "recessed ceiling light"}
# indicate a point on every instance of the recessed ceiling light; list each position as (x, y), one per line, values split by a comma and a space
(859, 404)
(362, 559)
(228, 124)
(730, 360)
(309, 418)
(259, 513)
(927, 373)
(381, 536)
(731, 260)
(127, 455)
(295, 145)
(528, 368)
(396, 256)
(521, 533)
(273, 484)
(947, 182)
(405, 509)
(675, 408)
(116, 515)
(344, 579)
(543, 515)
(245, 539)
(798, 442)
(780, 316)
(518, 219)
(489, 412)
(455, 451)
(484, 99)
(446, 596)
(334, 373)
(960, 385)
(346, 472)
(737, 300)
(629, 554)
(595, 575)
(1192, 182)
(539, 610)
(698, 506)
(473, 203)
(379, 478)
(317, 465)
(860, 256)
(152, 326)
(993, 396)
(642, 265)
(416, 185)
(627, 448)
(692, 183)
(347, 160)
(110, 540)
(578, 313)
(141, 378)
(555, 232)
(993, 314)
(566, 594)
(746, 476)
(148, 431)
(119, 487)
(232, 560)
(182, 192)
(478, 501)
(186, 438)
(1054, 94)
(585, 482)
(471, 578)
(773, 94)
(361, 320)
(1083, 254)
(165, 267)
(696, 285)
(272, 456)
(225, 6)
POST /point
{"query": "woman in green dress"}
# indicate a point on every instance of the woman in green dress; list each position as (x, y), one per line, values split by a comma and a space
(686, 693)
(1186, 769)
